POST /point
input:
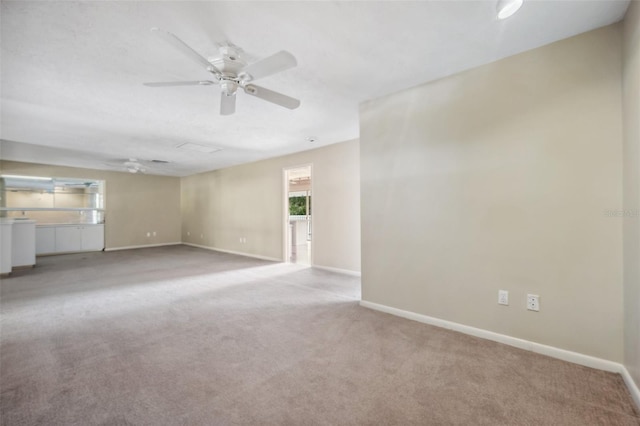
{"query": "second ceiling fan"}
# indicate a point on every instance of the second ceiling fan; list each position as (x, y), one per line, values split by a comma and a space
(231, 72)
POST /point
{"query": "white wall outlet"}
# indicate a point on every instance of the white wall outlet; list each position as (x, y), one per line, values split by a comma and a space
(188, 234)
(154, 233)
(503, 297)
(533, 302)
(201, 236)
(148, 234)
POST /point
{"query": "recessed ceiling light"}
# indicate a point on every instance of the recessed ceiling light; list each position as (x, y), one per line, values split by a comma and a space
(507, 8)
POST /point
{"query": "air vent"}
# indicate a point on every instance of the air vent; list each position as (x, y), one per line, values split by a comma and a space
(199, 148)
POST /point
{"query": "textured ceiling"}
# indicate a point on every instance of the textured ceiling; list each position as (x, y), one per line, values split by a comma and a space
(72, 72)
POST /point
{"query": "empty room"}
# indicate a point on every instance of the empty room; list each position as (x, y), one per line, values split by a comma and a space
(320, 212)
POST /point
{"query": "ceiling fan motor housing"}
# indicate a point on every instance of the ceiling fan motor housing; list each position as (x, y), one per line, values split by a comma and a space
(230, 62)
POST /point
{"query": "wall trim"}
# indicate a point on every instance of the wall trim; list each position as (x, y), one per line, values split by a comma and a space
(239, 253)
(563, 354)
(631, 385)
(142, 246)
(339, 270)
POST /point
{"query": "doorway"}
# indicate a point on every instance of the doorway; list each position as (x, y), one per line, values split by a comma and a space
(298, 215)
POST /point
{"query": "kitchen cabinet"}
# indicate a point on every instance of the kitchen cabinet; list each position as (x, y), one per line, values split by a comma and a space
(23, 240)
(6, 228)
(45, 239)
(69, 238)
(92, 237)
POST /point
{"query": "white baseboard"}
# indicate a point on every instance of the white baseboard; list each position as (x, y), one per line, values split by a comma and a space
(631, 385)
(339, 270)
(239, 253)
(565, 355)
(142, 246)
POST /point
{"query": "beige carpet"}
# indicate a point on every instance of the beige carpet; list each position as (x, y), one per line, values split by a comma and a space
(182, 336)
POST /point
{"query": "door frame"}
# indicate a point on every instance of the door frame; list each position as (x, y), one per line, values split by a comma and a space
(285, 211)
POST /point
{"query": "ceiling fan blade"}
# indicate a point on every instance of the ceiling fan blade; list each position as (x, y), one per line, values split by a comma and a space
(227, 104)
(179, 83)
(275, 63)
(271, 96)
(185, 49)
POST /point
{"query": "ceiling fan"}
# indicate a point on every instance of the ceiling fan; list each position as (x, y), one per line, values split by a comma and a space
(134, 165)
(231, 72)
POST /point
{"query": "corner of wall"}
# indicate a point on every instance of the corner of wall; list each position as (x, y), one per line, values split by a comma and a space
(631, 190)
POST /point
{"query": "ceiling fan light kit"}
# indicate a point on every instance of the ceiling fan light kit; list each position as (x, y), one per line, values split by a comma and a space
(231, 72)
(506, 8)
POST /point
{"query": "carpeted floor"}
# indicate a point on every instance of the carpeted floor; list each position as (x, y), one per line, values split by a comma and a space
(183, 336)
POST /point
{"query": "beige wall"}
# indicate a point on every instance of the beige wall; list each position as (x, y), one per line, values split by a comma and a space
(631, 108)
(135, 204)
(499, 178)
(243, 201)
(222, 206)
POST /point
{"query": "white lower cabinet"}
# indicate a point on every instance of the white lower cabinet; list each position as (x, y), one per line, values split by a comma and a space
(92, 237)
(45, 239)
(6, 236)
(69, 238)
(23, 243)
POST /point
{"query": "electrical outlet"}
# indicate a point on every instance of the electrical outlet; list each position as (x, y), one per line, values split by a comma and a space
(154, 233)
(503, 297)
(188, 234)
(533, 302)
(148, 234)
(201, 236)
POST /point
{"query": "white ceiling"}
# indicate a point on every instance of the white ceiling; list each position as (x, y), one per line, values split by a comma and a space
(72, 72)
